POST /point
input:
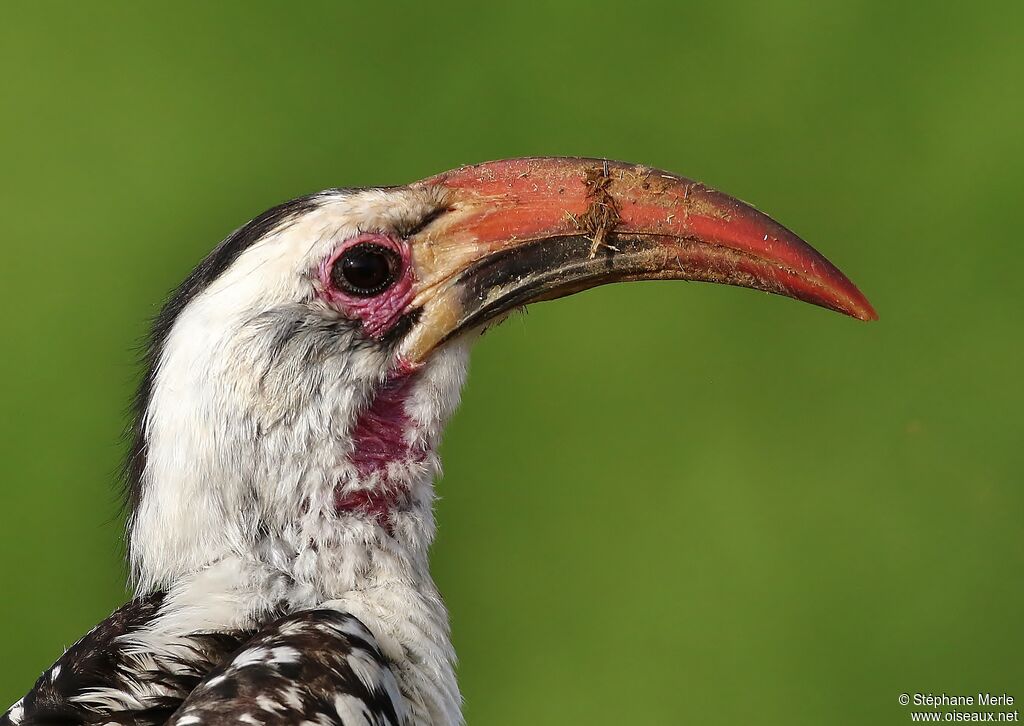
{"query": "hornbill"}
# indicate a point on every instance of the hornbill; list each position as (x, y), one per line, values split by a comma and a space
(280, 484)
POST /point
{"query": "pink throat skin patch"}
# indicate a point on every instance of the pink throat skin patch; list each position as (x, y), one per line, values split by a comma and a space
(379, 439)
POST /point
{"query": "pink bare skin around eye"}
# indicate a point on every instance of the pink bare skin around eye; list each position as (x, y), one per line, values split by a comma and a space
(378, 313)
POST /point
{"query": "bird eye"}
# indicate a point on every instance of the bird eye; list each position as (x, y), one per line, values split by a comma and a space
(365, 270)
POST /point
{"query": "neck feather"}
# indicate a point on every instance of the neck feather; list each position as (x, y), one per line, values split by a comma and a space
(250, 460)
(270, 506)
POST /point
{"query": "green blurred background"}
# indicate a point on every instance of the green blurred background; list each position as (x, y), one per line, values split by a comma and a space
(663, 503)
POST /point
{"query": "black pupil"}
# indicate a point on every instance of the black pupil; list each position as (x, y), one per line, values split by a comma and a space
(365, 269)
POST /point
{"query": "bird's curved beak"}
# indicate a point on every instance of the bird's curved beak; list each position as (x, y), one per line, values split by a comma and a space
(521, 230)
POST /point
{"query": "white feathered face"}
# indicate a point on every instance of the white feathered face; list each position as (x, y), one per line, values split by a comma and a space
(263, 403)
(320, 349)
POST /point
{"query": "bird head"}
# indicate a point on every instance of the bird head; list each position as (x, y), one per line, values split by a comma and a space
(300, 377)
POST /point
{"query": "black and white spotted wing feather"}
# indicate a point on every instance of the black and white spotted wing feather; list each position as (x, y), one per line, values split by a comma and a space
(103, 679)
(318, 666)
